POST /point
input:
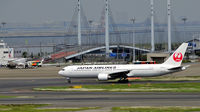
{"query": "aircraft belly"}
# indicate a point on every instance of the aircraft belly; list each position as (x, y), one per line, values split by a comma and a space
(142, 73)
(83, 74)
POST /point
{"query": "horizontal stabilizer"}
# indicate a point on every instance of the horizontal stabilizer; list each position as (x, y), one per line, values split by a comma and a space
(176, 68)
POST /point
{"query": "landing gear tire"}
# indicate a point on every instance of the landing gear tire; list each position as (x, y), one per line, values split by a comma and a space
(123, 80)
(68, 80)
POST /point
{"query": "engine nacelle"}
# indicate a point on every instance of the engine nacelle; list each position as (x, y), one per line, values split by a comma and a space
(103, 77)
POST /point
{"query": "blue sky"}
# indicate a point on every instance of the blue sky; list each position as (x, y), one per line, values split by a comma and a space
(40, 11)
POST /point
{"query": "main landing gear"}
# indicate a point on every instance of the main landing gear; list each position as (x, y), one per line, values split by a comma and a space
(123, 80)
(68, 80)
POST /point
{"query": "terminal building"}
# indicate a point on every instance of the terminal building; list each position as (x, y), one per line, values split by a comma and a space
(5, 53)
(195, 45)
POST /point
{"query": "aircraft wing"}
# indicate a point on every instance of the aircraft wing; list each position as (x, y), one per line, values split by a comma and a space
(117, 74)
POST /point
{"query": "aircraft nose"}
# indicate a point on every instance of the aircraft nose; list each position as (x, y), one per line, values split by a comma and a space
(61, 72)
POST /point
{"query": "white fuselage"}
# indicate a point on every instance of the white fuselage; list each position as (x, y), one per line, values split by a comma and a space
(92, 71)
(106, 72)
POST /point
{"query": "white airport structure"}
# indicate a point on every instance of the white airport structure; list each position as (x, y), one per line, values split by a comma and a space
(5, 53)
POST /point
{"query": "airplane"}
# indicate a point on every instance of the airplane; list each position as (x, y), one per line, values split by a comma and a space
(110, 72)
(16, 63)
(23, 63)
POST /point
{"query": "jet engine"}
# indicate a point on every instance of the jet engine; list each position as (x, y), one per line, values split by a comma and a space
(103, 77)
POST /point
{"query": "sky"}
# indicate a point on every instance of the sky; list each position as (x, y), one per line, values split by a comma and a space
(41, 11)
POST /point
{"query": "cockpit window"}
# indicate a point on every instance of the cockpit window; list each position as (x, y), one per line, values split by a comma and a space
(62, 69)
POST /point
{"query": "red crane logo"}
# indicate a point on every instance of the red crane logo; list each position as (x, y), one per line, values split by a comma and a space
(177, 57)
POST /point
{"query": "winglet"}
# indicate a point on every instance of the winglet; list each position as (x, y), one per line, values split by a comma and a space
(177, 57)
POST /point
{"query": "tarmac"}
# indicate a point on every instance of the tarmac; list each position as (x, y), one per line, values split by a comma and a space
(19, 82)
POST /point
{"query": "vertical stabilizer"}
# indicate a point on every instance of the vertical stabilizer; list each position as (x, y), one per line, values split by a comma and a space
(176, 58)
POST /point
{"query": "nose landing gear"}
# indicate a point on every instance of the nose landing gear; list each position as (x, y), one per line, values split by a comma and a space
(68, 80)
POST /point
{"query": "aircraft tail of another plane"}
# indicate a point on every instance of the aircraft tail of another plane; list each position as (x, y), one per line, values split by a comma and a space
(177, 57)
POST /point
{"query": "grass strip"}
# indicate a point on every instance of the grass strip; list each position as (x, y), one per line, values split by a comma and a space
(8, 97)
(155, 109)
(4, 96)
(148, 87)
(38, 108)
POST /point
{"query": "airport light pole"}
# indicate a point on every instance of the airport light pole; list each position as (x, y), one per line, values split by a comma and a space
(79, 23)
(133, 21)
(107, 28)
(90, 22)
(3, 26)
(152, 27)
(79, 28)
(184, 19)
(169, 24)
